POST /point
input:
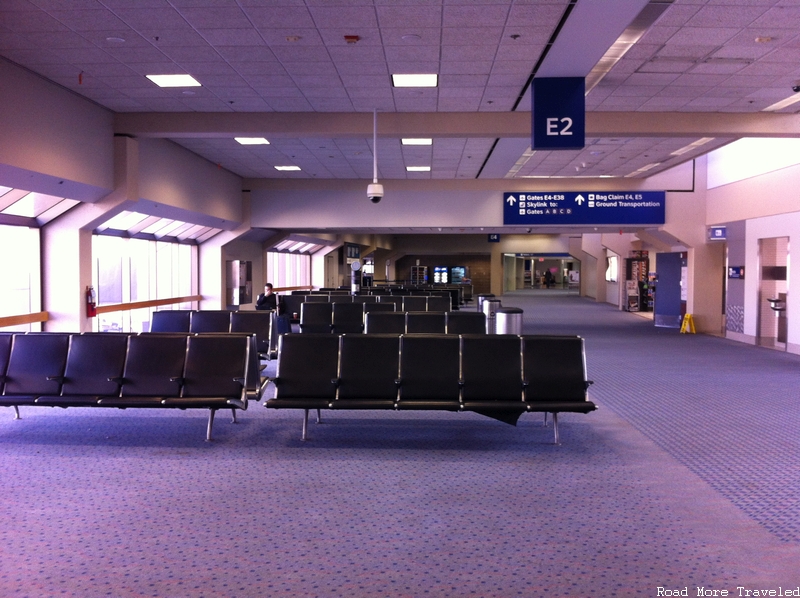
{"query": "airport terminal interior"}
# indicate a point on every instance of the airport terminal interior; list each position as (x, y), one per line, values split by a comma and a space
(626, 172)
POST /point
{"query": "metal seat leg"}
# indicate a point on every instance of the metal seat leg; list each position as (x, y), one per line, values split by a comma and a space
(305, 424)
(233, 414)
(319, 416)
(555, 428)
(16, 412)
(211, 413)
(544, 422)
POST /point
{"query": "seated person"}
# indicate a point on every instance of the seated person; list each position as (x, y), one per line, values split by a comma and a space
(269, 300)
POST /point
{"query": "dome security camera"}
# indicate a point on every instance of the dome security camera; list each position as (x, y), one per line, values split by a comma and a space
(796, 87)
(375, 192)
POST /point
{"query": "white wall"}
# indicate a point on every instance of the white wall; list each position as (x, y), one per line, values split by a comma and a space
(52, 141)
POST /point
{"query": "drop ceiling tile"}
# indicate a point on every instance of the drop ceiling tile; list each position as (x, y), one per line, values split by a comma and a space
(659, 104)
(410, 16)
(216, 17)
(291, 37)
(88, 20)
(80, 55)
(413, 67)
(137, 54)
(283, 104)
(466, 16)
(519, 52)
(107, 69)
(325, 91)
(295, 53)
(336, 37)
(242, 104)
(209, 105)
(473, 93)
(286, 93)
(316, 69)
(779, 16)
(717, 67)
(291, 17)
(466, 36)
(381, 82)
(518, 80)
(723, 16)
(536, 14)
(362, 68)
(28, 21)
(465, 68)
(232, 37)
(394, 36)
(471, 53)
(711, 36)
(192, 53)
(344, 16)
(33, 57)
(176, 36)
(395, 54)
(356, 53)
(363, 93)
(247, 56)
(148, 19)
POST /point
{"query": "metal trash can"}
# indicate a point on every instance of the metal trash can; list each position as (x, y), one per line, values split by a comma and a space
(482, 298)
(508, 320)
(490, 307)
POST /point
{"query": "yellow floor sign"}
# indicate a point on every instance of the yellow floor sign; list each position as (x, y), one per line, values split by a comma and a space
(688, 324)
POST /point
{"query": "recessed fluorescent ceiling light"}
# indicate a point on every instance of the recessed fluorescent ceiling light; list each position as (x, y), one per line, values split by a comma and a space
(415, 80)
(417, 141)
(287, 168)
(418, 168)
(252, 140)
(174, 80)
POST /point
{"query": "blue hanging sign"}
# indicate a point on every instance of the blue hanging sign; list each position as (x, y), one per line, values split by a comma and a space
(558, 113)
(494, 238)
(584, 207)
(717, 233)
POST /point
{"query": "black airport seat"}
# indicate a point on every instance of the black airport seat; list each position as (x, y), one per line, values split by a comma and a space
(5, 353)
(365, 299)
(439, 303)
(292, 305)
(35, 367)
(315, 317)
(175, 320)
(297, 384)
(415, 303)
(466, 322)
(95, 362)
(429, 322)
(214, 373)
(554, 375)
(369, 307)
(491, 375)
(348, 317)
(340, 298)
(368, 370)
(256, 322)
(385, 322)
(210, 321)
(396, 300)
(429, 372)
(317, 298)
(153, 371)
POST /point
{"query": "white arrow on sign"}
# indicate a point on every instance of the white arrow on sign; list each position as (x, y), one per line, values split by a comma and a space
(511, 200)
(580, 199)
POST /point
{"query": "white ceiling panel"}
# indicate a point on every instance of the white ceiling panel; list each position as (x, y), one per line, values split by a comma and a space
(291, 56)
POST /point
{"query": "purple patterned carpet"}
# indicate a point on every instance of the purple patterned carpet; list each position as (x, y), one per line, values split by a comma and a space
(687, 476)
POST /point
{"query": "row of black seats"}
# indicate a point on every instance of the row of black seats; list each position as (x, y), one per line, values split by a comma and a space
(500, 376)
(293, 304)
(373, 318)
(184, 371)
(259, 323)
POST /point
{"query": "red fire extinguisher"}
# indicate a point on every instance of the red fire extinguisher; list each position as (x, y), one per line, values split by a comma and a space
(91, 302)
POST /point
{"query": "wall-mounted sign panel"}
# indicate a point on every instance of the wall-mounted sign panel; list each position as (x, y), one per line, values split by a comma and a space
(558, 113)
(584, 207)
(736, 272)
(717, 233)
(494, 238)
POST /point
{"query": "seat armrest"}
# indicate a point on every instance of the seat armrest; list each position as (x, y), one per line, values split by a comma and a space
(398, 381)
(56, 378)
(588, 383)
(178, 379)
(240, 380)
(336, 381)
(117, 379)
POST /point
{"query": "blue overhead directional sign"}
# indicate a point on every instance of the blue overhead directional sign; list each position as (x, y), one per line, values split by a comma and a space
(584, 207)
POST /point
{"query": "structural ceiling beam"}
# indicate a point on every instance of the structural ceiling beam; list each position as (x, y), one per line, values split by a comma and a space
(448, 124)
